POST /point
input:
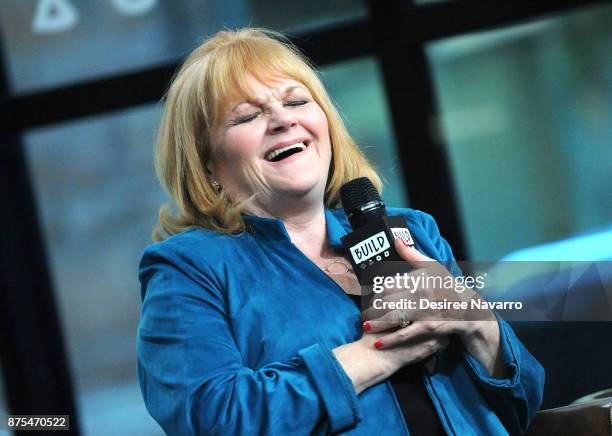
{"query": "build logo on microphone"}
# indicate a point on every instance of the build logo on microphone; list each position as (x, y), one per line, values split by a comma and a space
(403, 233)
(370, 247)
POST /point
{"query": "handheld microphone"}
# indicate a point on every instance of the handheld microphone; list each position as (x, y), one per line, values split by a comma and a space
(371, 243)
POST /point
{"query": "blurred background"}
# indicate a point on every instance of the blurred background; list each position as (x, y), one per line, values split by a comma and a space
(495, 117)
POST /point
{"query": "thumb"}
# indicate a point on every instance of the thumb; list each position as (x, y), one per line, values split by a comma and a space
(409, 254)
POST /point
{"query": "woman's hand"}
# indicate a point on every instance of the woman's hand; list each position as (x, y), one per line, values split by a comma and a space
(452, 314)
(366, 365)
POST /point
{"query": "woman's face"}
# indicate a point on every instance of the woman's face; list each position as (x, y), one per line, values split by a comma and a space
(277, 146)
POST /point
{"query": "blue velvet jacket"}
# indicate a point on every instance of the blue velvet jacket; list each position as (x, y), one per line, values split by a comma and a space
(236, 335)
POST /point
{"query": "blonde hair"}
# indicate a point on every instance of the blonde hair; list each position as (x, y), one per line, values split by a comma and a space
(212, 75)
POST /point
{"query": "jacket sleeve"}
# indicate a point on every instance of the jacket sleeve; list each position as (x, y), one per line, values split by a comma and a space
(192, 376)
(516, 398)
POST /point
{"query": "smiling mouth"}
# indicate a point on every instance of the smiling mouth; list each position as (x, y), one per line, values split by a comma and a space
(284, 152)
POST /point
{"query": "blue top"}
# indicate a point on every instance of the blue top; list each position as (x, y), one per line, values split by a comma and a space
(236, 335)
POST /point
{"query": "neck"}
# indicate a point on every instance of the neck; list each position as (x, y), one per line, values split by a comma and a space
(308, 232)
(306, 227)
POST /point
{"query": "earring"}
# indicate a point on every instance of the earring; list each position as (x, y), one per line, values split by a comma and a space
(215, 184)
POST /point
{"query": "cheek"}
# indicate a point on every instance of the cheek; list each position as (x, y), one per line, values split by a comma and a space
(318, 120)
(323, 134)
(236, 148)
(235, 157)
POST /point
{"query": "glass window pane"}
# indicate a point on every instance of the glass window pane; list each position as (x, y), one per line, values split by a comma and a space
(98, 198)
(526, 112)
(358, 89)
(53, 42)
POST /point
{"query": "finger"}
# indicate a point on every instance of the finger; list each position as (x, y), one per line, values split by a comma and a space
(427, 350)
(378, 325)
(409, 254)
(421, 350)
(418, 260)
(387, 315)
(419, 330)
(430, 362)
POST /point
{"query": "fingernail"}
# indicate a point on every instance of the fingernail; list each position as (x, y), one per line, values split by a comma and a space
(366, 326)
(378, 344)
(405, 242)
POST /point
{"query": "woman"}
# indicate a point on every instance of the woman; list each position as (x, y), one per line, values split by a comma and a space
(246, 324)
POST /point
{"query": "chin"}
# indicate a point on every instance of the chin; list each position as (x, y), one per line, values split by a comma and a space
(303, 188)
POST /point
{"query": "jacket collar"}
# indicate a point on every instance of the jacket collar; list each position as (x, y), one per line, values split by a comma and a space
(273, 229)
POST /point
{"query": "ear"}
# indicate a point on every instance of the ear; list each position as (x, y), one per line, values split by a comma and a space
(208, 169)
(211, 178)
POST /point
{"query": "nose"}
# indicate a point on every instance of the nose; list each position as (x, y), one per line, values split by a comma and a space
(281, 119)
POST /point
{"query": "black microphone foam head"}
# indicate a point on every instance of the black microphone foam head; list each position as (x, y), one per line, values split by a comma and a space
(357, 192)
(361, 201)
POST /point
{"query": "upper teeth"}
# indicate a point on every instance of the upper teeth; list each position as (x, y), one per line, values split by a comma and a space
(278, 151)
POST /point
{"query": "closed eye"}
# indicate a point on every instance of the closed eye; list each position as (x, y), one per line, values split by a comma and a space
(245, 119)
(296, 103)
(251, 117)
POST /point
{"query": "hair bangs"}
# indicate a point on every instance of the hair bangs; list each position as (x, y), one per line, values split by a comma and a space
(261, 58)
